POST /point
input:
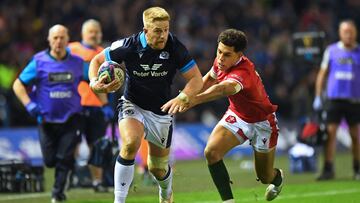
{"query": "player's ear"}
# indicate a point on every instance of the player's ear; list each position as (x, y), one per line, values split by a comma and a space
(145, 30)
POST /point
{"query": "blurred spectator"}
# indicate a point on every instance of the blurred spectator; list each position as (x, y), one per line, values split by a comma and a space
(340, 69)
(96, 108)
(47, 87)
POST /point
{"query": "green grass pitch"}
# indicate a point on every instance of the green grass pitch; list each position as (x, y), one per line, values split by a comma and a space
(192, 184)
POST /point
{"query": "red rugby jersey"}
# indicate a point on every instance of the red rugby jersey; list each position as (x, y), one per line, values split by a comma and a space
(251, 103)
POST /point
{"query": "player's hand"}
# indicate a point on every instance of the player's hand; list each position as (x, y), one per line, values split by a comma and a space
(317, 104)
(98, 85)
(174, 106)
(189, 105)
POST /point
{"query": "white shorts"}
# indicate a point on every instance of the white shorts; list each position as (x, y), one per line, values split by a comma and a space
(262, 135)
(158, 128)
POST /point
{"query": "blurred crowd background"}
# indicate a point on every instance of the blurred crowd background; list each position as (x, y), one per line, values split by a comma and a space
(269, 25)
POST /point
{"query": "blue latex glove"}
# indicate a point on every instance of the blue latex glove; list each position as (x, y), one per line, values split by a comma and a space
(34, 110)
(108, 112)
(317, 104)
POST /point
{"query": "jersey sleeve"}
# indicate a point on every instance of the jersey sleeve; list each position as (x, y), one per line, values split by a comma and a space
(325, 59)
(28, 75)
(185, 61)
(236, 76)
(116, 52)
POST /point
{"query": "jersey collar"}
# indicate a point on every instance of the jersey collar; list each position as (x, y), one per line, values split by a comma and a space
(237, 63)
(144, 44)
(143, 40)
(87, 46)
(341, 45)
(66, 55)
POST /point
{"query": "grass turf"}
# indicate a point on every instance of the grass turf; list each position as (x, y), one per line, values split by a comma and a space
(192, 184)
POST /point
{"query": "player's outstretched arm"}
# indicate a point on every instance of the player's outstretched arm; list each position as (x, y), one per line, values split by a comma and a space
(193, 86)
(208, 81)
(217, 91)
(194, 81)
(95, 65)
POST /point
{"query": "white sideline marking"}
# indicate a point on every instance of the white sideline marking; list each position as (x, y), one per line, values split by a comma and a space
(24, 196)
(295, 196)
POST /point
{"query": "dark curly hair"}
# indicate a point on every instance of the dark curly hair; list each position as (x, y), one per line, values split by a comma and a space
(233, 38)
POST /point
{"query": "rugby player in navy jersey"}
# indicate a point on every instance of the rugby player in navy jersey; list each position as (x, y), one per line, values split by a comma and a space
(151, 57)
(55, 102)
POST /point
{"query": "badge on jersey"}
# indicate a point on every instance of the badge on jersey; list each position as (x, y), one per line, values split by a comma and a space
(61, 77)
(164, 55)
(230, 119)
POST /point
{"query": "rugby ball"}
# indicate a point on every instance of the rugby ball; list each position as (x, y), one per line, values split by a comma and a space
(112, 71)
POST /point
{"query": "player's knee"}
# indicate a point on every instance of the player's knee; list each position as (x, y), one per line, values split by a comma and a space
(212, 155)
(158, 166)
(129, 149)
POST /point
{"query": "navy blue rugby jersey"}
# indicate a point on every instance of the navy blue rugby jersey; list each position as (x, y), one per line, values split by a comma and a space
(149, 72)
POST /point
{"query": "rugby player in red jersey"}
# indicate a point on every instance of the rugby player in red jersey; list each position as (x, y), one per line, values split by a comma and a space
(250, 115)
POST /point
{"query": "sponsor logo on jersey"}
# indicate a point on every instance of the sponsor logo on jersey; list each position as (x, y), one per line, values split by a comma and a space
(164, 55)
(346, 61)
(65, 77)
(235, 77)
(146, 67)
(153, 71)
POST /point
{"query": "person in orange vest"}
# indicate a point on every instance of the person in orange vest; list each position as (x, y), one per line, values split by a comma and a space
(96, 109)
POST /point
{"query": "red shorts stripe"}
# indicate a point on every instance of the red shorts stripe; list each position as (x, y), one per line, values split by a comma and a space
(274, 131)
(241, 133)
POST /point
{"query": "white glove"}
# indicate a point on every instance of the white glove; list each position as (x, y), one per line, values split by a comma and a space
(317, 104)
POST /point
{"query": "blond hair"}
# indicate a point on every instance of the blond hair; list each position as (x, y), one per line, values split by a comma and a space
(153, 14)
